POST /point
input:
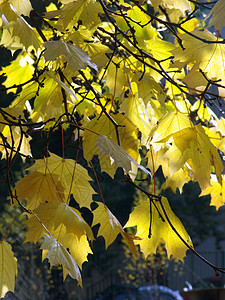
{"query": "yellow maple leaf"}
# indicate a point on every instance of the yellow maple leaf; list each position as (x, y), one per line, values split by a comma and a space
(39, 188)
(26, 33)
(117, 154)
(178, 155)
(7, 10)
(57, 255)
(22, 7)
(216, 191)
(157, 159)
(79, 248)
(19, 71)
(110, 227)
(190, 25)
(9, 42)
(148, 88)
(14, 142)
(199, 55)
(65, 224)
(73, 177)
(48, 99)
(182, 5)
(104, 126)
(96, 52)
(79, 37)
(8, 269)
(217, 15)
(53, 215)
(72, 220)
(170, 123)
(116, 78)
(214, 136)
(76, 57)
(176, 181)
(136, 111)
(85, 10)
(202, 110)
(160, 231)
(174, 8)
(45, 212)
(65, 87)
(28, 92)
(195, 144)
(160, 50)
(142, 32)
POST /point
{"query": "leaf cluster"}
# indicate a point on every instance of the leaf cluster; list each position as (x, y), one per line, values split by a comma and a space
(119, 76)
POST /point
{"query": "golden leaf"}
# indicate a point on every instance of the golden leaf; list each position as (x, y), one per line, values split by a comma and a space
(117, 154)
(79, 248)
(182, 5)
(104, 126)
(39, 188)
(195, 144)
(176, 181)
(15, 142)
(217, 15)
(157, 159)
(85, 10)
(175, 9)
(73, 177)
(72, 220)
(22, 7)
(216, 191)
(110, 227)
(19, 71)
(170, 123)
(65, 224)
(57, 255)
(160, 230)
(8, 269)
(197, 55)
(75, 56)
(136, 111)
(26, 33)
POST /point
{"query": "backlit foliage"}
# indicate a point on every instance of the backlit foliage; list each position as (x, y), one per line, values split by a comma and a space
(121, 75)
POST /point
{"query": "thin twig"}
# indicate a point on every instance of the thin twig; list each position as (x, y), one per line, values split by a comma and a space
(186, 244)
(102, 107)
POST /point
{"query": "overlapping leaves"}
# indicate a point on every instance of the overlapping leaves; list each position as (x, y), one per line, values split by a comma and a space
(116, 105)
(189, 147)
(202, 59)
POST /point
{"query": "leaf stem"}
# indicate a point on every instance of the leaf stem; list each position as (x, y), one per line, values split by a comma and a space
(100, 191)
(102, 107)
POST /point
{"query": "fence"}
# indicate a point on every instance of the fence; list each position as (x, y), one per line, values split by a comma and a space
(197, 273)
(193, 273)
(110, 272)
